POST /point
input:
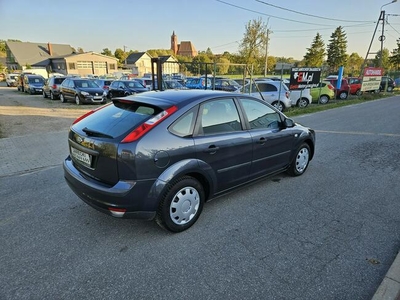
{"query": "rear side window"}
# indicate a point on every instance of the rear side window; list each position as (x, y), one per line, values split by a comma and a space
(266, 87)
(118, 119)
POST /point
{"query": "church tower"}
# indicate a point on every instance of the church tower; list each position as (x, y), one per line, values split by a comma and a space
(174, 43)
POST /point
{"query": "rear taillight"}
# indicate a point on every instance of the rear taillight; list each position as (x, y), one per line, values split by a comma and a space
(54, 86)
(148, 125)
(330, 86)
(105, 87)
(89, 113)
(287, 94)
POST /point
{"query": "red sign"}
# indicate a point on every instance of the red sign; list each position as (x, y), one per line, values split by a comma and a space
(373, 72)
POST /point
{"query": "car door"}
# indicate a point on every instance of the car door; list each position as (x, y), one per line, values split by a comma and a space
(272, 143)
(222, 144)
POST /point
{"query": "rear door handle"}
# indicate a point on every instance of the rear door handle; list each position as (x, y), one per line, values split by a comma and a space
(261, 141)
(212, 149)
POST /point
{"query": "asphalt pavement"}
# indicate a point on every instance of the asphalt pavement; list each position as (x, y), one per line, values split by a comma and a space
(19, 155)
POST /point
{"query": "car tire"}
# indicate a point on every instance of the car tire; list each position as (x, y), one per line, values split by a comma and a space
(31, 92)
(181, 205)
(343, 95)
(278, 105)
(44, 94)
(62, 99)
(77, 100)
(358, 93)
(324, 99)
(110, 95)
(52, 96)
(300, 161)
(389, 89)
(302, 103)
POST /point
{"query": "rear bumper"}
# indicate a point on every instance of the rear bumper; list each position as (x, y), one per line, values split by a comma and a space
(128, 195)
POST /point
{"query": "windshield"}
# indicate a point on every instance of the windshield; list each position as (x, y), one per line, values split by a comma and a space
(36, 80)
(86, 84)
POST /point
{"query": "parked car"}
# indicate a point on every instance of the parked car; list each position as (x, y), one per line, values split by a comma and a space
(33, 84)
(226, 84)
(199, 83)
(162, 155)
(324, 91)
(104, 83)
(52, 87)
(274, 92)
(123, 88)
(81, 90)
(387, 84)
(174, 84)
(299, 98)
(11, 79)
(147, 82)
(355, 85)
(344, 90)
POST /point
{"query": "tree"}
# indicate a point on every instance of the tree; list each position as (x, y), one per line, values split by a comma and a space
(316, 53)
(395, 58)
(107, 52)
(354, 64)
(254, 41)
(336, 51)
(223, 65)
(121, 55)
(386, 63)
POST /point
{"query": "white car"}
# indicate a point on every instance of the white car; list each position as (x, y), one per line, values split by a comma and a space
(274, 92)
(300, 98)
(11, 79)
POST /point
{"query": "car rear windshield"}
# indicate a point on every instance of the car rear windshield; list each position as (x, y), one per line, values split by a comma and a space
(118, 119)
(58, 80)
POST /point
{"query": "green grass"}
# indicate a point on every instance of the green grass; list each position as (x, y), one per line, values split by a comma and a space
(315, 107)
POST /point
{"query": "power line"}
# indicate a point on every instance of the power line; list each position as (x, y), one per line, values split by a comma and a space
(393, 27)
(309, 15)
(257, 12)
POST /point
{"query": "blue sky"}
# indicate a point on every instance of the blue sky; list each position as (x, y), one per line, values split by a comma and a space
(219, 24)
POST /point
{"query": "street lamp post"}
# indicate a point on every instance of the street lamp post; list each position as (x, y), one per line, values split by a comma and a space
(382, 37)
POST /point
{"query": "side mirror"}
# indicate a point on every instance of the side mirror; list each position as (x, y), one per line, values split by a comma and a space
(289, 123)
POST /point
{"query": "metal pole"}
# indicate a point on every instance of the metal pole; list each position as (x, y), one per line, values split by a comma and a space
(382, 37)
(370, 44)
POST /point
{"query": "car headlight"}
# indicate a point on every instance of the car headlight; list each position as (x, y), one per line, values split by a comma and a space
(84, 93)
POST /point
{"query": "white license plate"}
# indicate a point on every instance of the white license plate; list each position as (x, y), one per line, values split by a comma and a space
(84, 158)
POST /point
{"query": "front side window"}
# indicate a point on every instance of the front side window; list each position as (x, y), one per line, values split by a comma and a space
(219, 116)
(260, 115)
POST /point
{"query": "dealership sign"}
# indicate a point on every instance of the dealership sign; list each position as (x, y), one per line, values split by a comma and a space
(301, 78)
(371, 79)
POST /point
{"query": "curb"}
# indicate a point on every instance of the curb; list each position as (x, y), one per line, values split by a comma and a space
(389, 289)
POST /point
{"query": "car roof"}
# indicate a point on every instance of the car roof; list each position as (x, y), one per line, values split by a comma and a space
(165, 99)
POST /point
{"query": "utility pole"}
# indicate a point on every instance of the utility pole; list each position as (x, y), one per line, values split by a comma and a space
(266, 55)
(125, 54)
(382, 37)
(266, 51)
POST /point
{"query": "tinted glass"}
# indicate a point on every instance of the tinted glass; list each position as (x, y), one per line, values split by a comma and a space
(184, 125)
(120, 118)
(219, 116)
(58, 80)
(260, 115)
(86, 84)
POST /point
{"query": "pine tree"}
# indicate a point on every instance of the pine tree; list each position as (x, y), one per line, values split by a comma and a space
(316, 53)
(336, 50)
(395, 58)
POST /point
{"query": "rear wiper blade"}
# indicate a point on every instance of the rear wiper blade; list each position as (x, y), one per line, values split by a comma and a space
(92, 132)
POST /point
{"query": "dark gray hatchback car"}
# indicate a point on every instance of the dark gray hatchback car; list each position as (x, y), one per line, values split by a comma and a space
(162, 155)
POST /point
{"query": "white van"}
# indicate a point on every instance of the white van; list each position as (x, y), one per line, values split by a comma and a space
(11, 79)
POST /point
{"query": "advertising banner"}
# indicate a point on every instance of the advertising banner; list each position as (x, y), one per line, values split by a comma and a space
(371, 79)
(301, 78)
